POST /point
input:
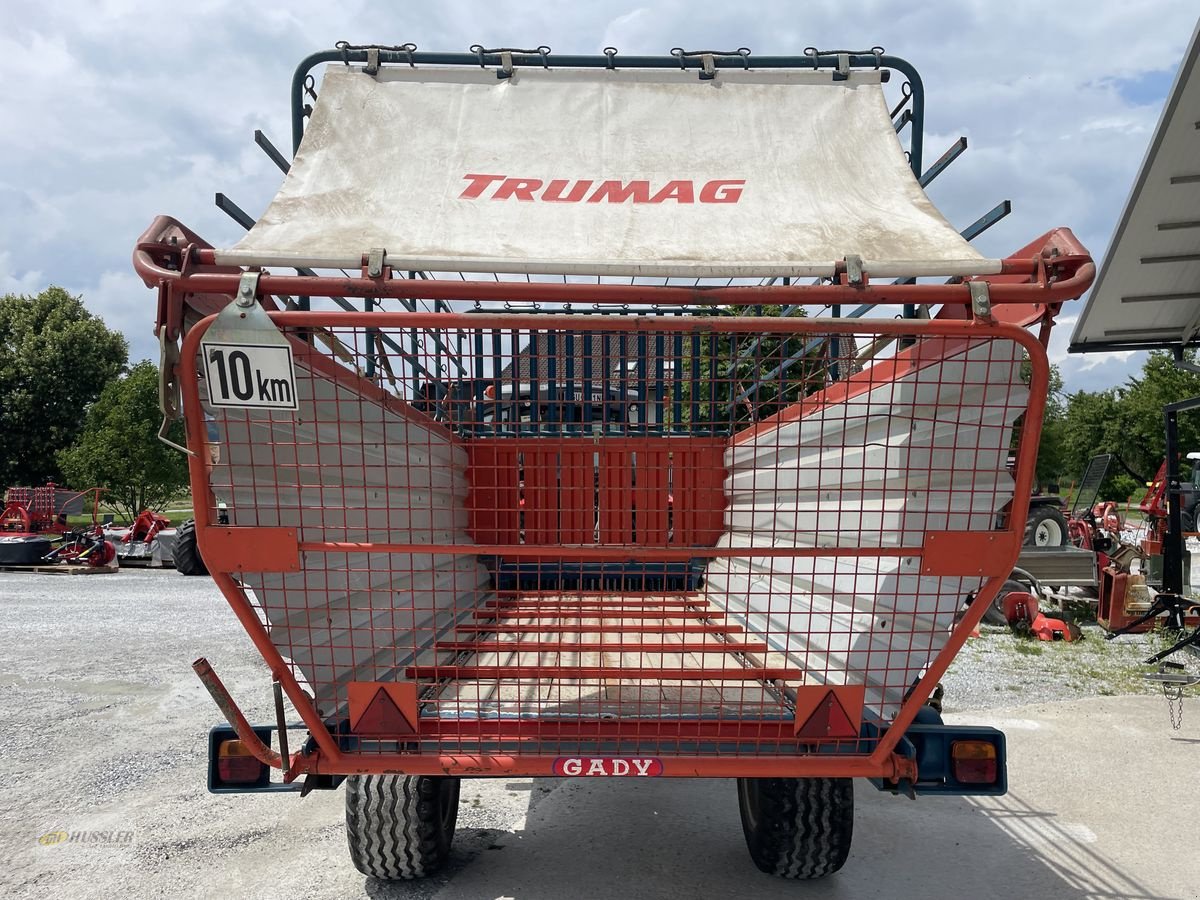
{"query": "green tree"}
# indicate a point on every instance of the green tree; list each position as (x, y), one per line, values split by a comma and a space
(55, 359)
(119, 449)
(773, 370)
(1142, 436)
(1051, 452)
(1092, 425)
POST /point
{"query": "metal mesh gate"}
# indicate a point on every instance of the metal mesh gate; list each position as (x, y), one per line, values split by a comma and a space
(547, 535)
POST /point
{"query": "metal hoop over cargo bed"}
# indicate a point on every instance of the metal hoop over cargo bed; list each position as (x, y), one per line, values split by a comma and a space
(636, 520)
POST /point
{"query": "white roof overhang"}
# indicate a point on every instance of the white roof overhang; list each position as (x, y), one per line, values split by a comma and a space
(1148, 292)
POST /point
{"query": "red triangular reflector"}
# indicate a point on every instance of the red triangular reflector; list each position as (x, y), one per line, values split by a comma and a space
(829, 720)
(382, 717)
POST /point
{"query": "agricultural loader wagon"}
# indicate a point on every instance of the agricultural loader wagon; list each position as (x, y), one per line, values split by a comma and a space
(533, 464)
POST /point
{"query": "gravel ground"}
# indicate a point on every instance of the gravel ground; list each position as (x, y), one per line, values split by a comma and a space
(106, 723)
(999, 668)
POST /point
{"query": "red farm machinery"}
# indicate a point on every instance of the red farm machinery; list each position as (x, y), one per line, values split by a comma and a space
(35, 528)
(672, 493)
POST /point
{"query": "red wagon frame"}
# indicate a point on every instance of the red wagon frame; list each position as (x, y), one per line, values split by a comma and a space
(1032, 285)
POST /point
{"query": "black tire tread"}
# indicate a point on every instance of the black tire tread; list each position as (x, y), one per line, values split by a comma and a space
(394, 827)
(1039, 514)
(994, 615)
(805, 825)
(186, 552)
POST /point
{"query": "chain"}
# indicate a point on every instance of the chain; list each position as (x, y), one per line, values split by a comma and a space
(1174, 704)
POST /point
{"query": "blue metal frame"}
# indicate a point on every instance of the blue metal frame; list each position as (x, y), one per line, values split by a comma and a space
(928, 742)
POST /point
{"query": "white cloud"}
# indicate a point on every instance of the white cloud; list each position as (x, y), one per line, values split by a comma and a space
(122, 114)
(14, 282)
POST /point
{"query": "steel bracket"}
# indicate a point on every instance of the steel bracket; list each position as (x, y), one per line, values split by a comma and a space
(375, 257)
(170, 397)
(854, 269)
(842, 73)
(372, 67)
(247, 292)
(981, 299)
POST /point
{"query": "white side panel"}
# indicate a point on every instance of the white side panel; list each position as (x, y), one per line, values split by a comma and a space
(348, 469)
(927, 452)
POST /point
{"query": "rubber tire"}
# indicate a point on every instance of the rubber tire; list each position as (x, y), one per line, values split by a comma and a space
(995, 612)
(399, 827)
(1037, 516)
(797, 827)
(186, 553)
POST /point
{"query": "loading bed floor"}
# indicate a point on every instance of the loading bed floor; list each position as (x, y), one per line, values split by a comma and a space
(611, 655)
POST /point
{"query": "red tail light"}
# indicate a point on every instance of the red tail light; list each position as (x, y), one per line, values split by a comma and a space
(974, 762)
(236, 765)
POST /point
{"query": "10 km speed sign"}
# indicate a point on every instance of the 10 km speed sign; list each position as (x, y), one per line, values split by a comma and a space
(250, 376)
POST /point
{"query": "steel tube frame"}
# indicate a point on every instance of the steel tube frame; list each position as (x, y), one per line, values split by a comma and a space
(573, 61)
(1037, 290)
(882, 762)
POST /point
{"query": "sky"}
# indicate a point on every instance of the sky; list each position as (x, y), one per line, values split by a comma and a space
(114, 112)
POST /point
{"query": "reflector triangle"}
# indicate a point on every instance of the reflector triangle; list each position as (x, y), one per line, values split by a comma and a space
(829, 720)
(382, 717)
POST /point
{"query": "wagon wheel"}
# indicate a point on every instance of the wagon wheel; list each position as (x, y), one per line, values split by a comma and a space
(1046, 527)
(797, 827)
(187, 552)
(400, 827)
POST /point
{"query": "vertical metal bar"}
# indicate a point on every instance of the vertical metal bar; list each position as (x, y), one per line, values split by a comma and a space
(677, 380)
(643, 389)
(369, 306)
(1172, 552)
(731, 378)
(553, 406)
(694, 384)
(623, 381)
(535, 393)
(285, 758)
(834, 346)
(515, 399)
(569, 400)
(497, 382)
(714, 373)
(415, 344)
(660, 377)
(477, 384)
(587, 390)
(606, 361)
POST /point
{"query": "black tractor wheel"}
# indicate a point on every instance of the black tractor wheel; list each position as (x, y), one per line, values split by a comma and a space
(187, 553)
(995, 612)
(1046, 527)
(797, 827)
(400, 827)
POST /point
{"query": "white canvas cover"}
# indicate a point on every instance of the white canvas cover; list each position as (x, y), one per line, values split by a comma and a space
(638, 172)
